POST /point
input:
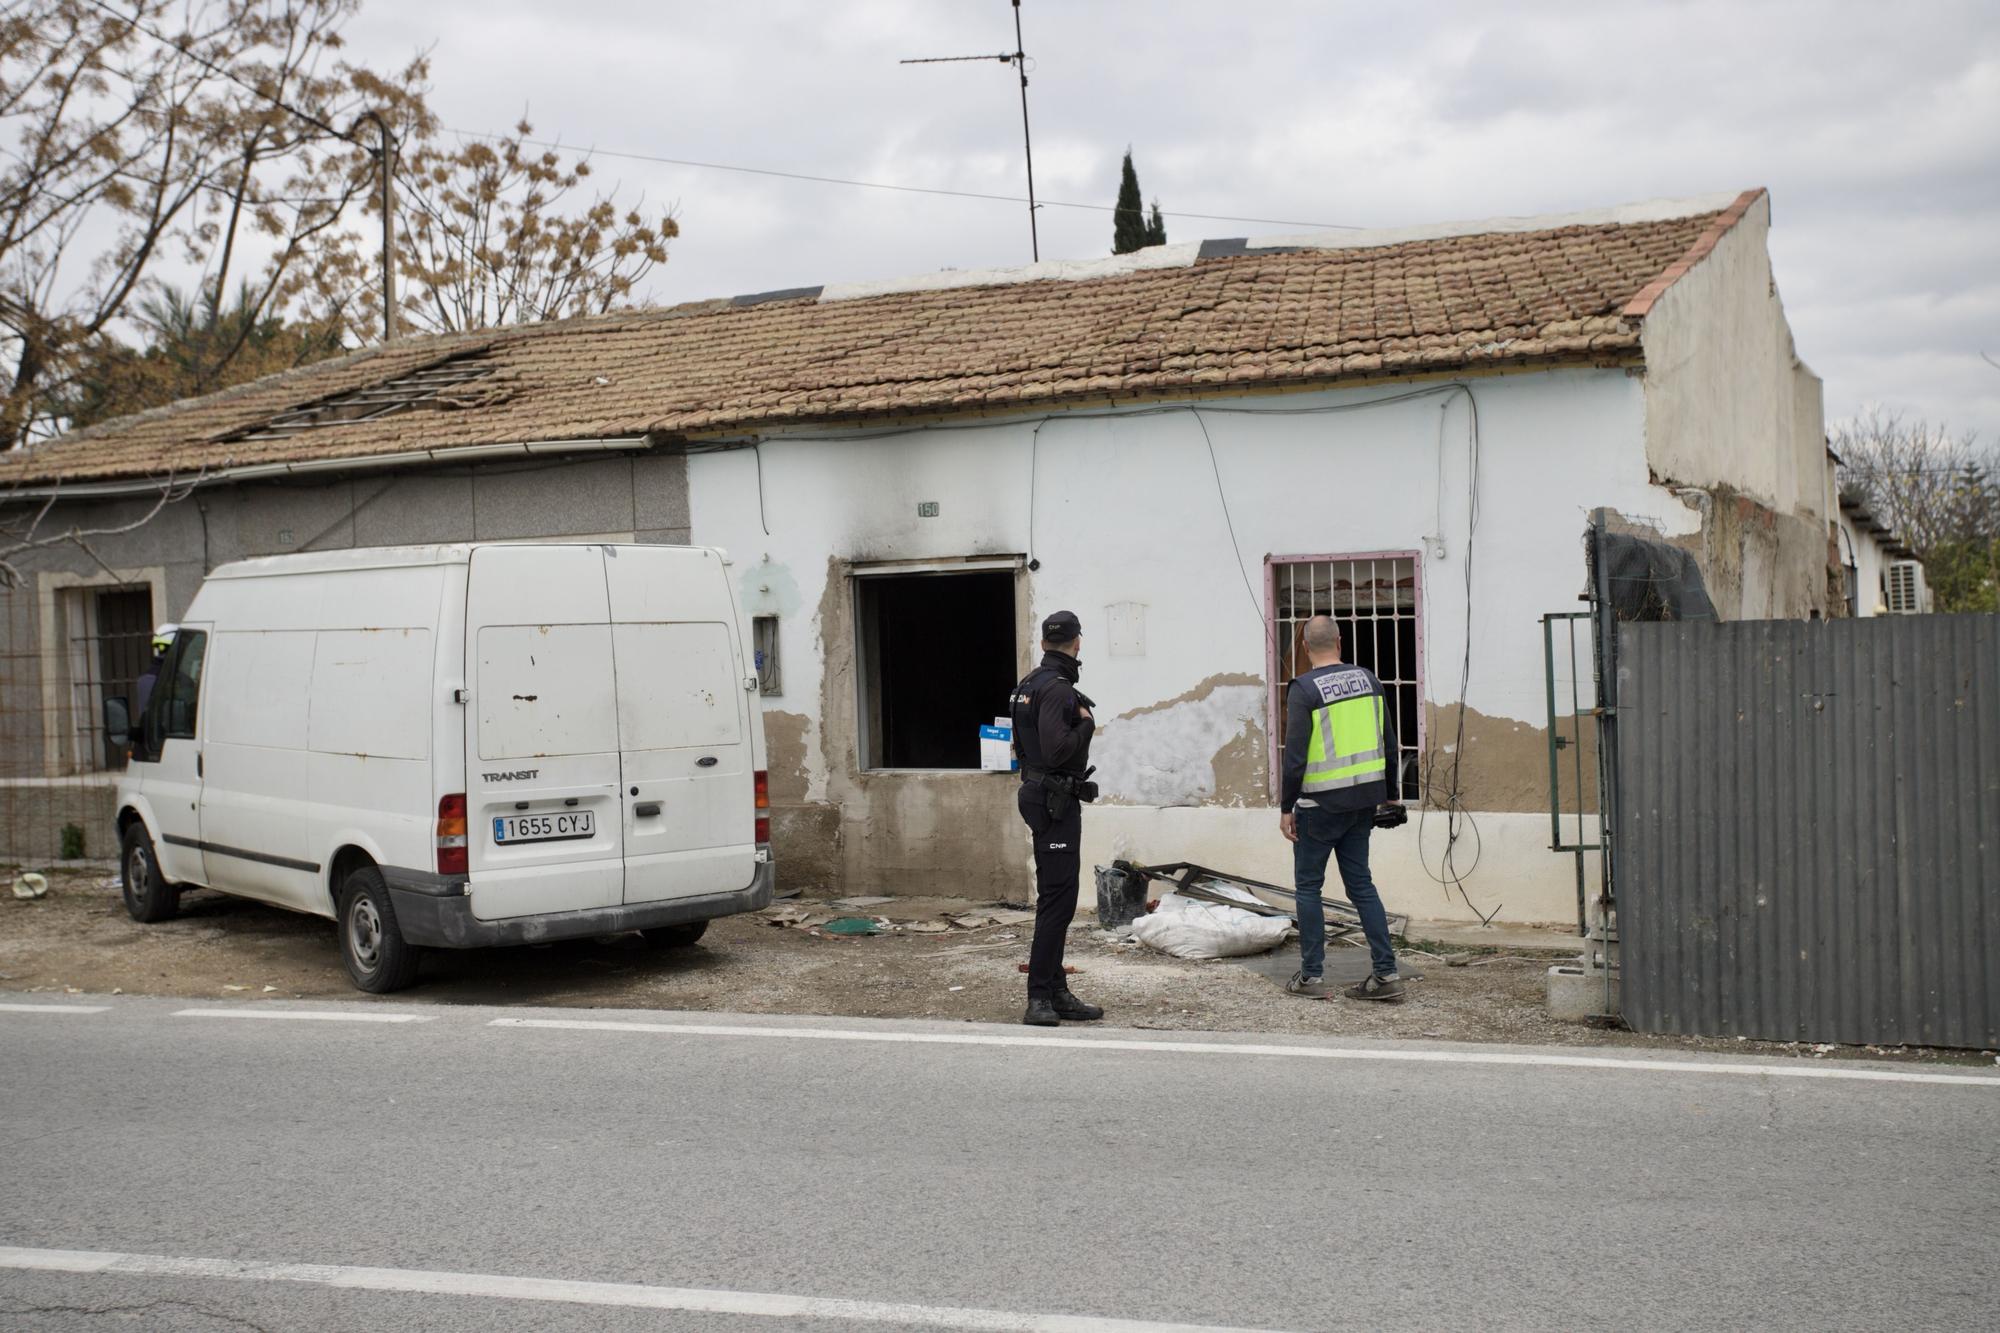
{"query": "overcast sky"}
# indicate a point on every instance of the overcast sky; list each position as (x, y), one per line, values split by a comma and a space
(1875, 126)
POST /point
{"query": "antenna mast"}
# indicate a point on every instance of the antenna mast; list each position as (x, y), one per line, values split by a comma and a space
(1018, 58)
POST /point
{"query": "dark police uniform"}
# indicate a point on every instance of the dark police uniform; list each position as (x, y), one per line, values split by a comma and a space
(1052, 740)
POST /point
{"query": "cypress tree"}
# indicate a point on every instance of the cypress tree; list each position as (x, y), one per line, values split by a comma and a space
(1128, 229)
(1156, 227)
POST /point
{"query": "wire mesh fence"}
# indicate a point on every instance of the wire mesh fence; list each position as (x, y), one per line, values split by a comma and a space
(59, 766)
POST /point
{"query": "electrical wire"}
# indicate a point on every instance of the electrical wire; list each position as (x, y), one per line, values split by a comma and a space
(1458, 820)
(884, 185)
(1256, 607)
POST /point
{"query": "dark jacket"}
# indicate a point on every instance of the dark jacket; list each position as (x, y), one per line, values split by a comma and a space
(1049, 736)
(1300, 701)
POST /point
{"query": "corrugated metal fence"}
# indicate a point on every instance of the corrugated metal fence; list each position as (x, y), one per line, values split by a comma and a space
(1808, 829)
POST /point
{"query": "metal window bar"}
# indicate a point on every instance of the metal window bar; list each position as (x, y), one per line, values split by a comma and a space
(1376, 601)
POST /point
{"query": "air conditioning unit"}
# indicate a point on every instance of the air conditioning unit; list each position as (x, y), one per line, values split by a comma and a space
(1909, 595)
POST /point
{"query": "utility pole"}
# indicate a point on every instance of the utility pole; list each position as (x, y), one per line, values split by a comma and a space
(1018, 58)
(386, 161)
(1027, 140)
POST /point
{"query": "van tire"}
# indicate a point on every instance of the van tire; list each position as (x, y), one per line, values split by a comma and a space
(675, 937)
(148, 896)
(372, 948)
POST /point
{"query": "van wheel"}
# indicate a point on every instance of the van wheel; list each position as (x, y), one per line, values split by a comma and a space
(148, 896)
(372, 946)
(674, 937)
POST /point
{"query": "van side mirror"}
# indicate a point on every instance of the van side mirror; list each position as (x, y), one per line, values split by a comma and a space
(118, 721)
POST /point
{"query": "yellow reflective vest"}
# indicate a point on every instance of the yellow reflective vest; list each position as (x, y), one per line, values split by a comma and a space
(1339, 740)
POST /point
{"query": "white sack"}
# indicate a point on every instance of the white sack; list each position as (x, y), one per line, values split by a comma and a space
(1208, 930)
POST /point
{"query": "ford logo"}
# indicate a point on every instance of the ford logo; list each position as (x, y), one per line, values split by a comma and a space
(706, 761)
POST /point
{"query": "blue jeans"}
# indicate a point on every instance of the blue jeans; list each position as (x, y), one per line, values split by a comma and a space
(1344, 836)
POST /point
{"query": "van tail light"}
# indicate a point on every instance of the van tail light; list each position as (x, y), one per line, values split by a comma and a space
(763, 806)
(451, 835)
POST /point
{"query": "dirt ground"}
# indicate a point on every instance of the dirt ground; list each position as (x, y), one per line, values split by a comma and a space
(78, 939)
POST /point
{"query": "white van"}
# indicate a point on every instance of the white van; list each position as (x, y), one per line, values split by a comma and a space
(455, 746)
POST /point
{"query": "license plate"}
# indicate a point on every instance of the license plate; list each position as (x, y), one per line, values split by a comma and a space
(544, 828)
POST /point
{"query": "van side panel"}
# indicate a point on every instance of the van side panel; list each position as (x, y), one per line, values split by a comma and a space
(255, 794)
(316, 727)
(541, 732)
(369, 737)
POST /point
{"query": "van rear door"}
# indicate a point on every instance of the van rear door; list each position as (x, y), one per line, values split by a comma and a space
(544, 814)
(684, 724)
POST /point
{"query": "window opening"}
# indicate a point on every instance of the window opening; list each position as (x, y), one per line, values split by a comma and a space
(764, 638)
(937, 659)
(1376, 601)
(109, 633)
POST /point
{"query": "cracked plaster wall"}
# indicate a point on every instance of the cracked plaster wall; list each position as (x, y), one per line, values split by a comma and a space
(1127, 520)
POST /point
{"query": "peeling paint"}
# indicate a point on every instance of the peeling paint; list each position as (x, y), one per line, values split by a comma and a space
(1505, 764)
(1165, 753)
(785, 751)
(1239, 769)
(1196, 695)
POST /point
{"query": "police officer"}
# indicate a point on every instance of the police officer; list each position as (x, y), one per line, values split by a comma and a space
(1052, 730)
(1340, 747)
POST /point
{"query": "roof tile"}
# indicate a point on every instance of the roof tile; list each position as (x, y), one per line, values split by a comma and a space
(1299, 317)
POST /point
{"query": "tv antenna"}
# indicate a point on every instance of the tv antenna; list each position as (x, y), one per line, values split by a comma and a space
(1018, 58)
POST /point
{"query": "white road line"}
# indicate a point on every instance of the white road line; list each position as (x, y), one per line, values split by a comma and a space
(323, 1015)
(1800, 1070)
(631, 1295)
(54, 1008)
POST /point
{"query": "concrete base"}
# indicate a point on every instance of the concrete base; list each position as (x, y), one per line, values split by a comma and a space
(1576, 994)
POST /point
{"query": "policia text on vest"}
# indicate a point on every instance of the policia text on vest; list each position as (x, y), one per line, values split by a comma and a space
(1052, 730)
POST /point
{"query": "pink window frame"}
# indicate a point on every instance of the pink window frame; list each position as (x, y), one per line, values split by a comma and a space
(1274, 697)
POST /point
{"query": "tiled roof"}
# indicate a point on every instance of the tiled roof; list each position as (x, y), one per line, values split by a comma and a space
(1572, 290)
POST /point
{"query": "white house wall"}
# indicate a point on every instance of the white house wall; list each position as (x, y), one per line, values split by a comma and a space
(1126, 511)
(1735, 422)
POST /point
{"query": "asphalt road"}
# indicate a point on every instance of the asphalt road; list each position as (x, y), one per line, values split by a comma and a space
(162, 1168)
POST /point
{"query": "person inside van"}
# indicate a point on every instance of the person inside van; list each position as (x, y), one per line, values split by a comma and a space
(142, 689)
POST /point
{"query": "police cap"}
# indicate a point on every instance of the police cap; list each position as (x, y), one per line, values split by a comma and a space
(1061, 627)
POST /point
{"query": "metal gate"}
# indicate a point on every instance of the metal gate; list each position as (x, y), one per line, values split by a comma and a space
(1806, 817)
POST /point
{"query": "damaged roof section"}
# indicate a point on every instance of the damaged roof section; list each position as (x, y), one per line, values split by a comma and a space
(1283, 313)
(442, 387)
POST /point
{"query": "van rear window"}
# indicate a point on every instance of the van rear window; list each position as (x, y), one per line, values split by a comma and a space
(545, 690)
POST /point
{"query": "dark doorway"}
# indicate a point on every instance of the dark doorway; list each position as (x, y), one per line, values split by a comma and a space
(937, 663)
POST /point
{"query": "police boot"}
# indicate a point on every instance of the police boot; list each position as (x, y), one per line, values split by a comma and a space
(1068, 1006)
(1041, 1014)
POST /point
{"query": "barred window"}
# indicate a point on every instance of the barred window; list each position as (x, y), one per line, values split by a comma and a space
(1376, 600)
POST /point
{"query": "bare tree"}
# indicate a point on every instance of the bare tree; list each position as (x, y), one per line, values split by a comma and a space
(141, 139)
(1930, 484)
(159, 131)
(497, 232)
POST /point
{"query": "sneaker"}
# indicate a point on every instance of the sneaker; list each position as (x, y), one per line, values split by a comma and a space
(1040, 1014)
(1387, 989)
(1313, 988)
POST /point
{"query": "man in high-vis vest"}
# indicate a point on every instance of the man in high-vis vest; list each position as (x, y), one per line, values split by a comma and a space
(1340, 755)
